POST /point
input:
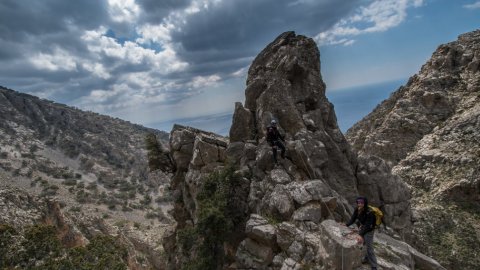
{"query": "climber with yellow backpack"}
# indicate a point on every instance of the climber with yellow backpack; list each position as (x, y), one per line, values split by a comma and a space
(367, 218)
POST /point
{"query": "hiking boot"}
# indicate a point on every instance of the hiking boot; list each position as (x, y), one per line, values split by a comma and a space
(365, 260)
(374, 268)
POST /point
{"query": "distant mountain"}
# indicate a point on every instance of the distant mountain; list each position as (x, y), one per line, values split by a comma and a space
(429, 131)
(93, 165)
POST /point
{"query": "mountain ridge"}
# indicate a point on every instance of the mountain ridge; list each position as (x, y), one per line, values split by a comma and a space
(428, 132)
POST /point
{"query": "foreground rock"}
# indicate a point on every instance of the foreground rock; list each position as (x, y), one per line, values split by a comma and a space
(429, 130)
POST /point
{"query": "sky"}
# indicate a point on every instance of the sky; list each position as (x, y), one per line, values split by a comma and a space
(157, 62)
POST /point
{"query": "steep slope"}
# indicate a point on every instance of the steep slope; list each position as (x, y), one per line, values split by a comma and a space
(91, 164)
(235, 209)
(429, 130)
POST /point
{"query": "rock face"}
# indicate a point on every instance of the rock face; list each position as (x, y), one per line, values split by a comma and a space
(429, 130)
(290, 211)
(447, 83)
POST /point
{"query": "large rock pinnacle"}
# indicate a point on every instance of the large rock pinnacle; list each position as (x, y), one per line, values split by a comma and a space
(284, 83)
(287, 215)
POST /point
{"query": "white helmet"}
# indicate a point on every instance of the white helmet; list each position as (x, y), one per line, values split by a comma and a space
(273, 122)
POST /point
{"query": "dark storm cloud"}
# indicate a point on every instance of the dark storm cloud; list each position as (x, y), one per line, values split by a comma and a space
(45, 49)
(29, 28)
(20, 19)
(238, 29)
(155, 11)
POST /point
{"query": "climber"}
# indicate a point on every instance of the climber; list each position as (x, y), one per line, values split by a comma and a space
(366, 222)
(274, 138)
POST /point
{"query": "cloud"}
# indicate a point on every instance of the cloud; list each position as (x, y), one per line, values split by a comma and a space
(173, 49)
(114, 56)
(154, 12)
(473, 5)
(227, 30)
(378, 16)
(58, 60)
(123, 10)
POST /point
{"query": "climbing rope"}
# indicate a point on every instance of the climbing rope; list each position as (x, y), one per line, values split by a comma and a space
(305, 166)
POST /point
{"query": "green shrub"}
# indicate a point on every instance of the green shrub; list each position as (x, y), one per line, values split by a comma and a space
(40, 243)
(7, 234)
(33, 148)
(92, 186)
(49, 190)
(75, 209)
(69, 182)
(216, 219)
(41, 249)
(82, 196)
(147, 199)
(16, 172)
(80, 185)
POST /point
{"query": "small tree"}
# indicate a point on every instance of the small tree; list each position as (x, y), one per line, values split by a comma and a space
(154, 152)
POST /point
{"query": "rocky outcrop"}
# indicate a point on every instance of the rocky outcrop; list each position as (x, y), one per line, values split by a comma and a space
(320, 174)
(290, 211)
(196, 154)
(429, 131)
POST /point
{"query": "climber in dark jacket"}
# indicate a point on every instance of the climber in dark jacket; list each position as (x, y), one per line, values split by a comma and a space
(366, 222)
(274, 138)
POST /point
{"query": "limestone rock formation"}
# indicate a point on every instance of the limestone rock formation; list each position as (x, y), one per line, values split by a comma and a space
(429, 130)
(288, 213)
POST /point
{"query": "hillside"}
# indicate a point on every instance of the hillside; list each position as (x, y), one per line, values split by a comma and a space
(94, 166)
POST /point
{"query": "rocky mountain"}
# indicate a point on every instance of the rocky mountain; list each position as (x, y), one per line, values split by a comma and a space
(236, 209)
(94, 168)
(429, 131)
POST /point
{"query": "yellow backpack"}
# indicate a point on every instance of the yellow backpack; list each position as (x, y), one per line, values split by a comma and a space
(378, 215)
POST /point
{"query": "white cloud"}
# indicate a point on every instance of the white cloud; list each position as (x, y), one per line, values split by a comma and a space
(204, 81)
(60, 60)
(473, 5)
(154, 33)
(242, 72)
(164, 61)
(379, 16)
(97, 69)
(123, 10)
